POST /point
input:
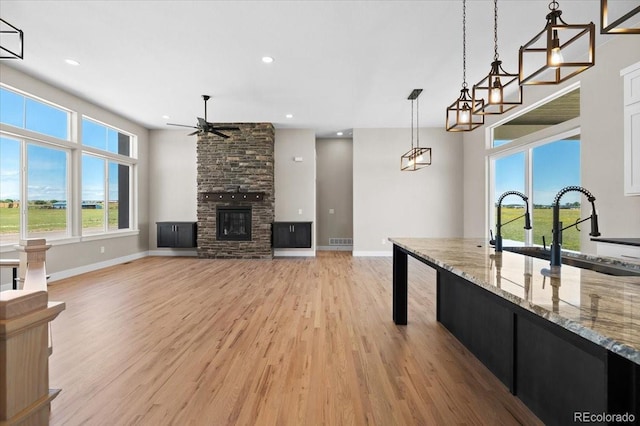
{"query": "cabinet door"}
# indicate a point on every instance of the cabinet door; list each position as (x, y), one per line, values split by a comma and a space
(166, 235)
(302, 235)
(281, 234)
(185, 235)
(632, 149)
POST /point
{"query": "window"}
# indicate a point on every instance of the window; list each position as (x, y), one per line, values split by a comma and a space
(27, 113)
(9, 190)
(106, 195)
(37, 198)
(525, 156)
(105, 138)
(47, 193)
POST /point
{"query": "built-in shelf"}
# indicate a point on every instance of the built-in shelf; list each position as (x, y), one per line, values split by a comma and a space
(232, 196)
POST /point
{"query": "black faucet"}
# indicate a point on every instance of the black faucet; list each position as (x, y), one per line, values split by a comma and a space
(556, 244)
(527, 219)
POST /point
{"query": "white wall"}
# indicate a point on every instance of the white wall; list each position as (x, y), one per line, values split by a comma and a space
(173, 176)
(76, 256)
(602, 146)
(390, 203)
(295, 182)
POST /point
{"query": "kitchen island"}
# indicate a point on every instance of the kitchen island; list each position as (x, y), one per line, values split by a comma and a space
(566, 342)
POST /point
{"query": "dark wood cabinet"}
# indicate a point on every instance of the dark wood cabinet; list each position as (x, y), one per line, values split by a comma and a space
(177, 234)
(291, 234)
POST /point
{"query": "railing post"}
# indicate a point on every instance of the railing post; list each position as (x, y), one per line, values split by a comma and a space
(30, 251)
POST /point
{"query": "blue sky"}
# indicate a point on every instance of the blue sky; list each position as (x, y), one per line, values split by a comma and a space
(555, 165)
(47, 176)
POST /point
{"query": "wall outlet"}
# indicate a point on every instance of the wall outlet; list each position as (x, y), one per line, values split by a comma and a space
(299, 211)
(384, 241)
(331, 211)
(102, 249)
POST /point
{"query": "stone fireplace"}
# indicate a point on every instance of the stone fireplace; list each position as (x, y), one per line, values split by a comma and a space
(236, 193)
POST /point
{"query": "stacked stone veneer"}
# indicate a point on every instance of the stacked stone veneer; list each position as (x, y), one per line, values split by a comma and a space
(243, 161)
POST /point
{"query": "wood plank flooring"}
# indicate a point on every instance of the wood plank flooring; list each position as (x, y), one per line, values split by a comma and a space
(185, 341)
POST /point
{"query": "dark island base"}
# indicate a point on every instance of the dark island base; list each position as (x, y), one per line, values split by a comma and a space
(556, 373)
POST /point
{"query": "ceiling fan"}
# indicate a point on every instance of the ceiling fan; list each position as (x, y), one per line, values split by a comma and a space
(204, 126)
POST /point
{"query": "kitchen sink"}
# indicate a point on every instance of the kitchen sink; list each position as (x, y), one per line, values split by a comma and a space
(592, 265)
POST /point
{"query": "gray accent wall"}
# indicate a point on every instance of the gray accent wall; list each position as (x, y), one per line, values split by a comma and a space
(334, 190)
(390, 203)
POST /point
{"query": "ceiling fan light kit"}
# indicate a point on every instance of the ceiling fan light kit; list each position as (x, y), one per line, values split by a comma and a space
(205, 127)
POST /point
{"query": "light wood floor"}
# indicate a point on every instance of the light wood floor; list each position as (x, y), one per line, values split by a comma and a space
(186, 341)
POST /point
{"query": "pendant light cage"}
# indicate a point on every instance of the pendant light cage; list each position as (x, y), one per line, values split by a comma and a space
(543, 60)
(11, 41)
(499, 90)
(617, 25)
(417, 157)
(460, 116)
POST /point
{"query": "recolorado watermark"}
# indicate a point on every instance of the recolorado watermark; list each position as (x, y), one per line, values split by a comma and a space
(589, 417)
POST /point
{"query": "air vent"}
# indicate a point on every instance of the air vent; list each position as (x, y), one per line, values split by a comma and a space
(340, 241)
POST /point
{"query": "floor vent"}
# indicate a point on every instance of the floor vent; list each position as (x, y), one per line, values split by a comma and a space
(340, 241)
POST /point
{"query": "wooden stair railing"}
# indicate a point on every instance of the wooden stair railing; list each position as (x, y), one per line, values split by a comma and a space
(25, 397)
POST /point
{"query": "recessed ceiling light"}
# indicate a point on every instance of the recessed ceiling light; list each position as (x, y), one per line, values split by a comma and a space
(339, 133)
(289, 115)
(166, 117)
(267, 59)
(72, 62)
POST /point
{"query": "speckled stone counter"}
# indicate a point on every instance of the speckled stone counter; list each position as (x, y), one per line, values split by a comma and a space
(603, 309)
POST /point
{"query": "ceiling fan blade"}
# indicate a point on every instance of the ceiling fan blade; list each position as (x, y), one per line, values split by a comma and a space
(226, 128)
(194, 133)
(181, 125)
(215, 132)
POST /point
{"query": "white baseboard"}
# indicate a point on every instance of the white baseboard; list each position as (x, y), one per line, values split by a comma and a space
(366, 253)
(294, 253)
(170, 252)
(95, 266)
(334, 248)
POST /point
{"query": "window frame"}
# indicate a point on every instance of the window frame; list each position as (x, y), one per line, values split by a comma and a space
(74, 150)
(524, 144)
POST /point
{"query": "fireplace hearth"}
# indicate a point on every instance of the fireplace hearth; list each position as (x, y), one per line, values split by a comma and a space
(233, 223)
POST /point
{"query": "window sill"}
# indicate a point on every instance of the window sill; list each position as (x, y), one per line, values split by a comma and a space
(11, 247)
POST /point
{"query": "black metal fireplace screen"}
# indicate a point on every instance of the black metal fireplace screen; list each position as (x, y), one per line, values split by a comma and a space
(233, 223)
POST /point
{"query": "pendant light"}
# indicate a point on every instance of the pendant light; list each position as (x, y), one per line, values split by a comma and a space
(544, 59)
(616, 27)
(500, 90)
(460, 116)
(12, 41)
(416, 158)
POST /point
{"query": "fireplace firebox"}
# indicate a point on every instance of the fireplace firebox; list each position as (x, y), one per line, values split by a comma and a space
(233, 223)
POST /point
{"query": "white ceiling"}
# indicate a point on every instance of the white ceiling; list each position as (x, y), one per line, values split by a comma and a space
(338, 64)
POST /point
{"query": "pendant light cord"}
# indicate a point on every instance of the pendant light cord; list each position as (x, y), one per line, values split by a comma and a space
(411, 123)
(495, 30)
(464, 44)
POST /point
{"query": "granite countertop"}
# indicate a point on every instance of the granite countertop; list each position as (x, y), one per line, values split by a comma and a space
(603, 309)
